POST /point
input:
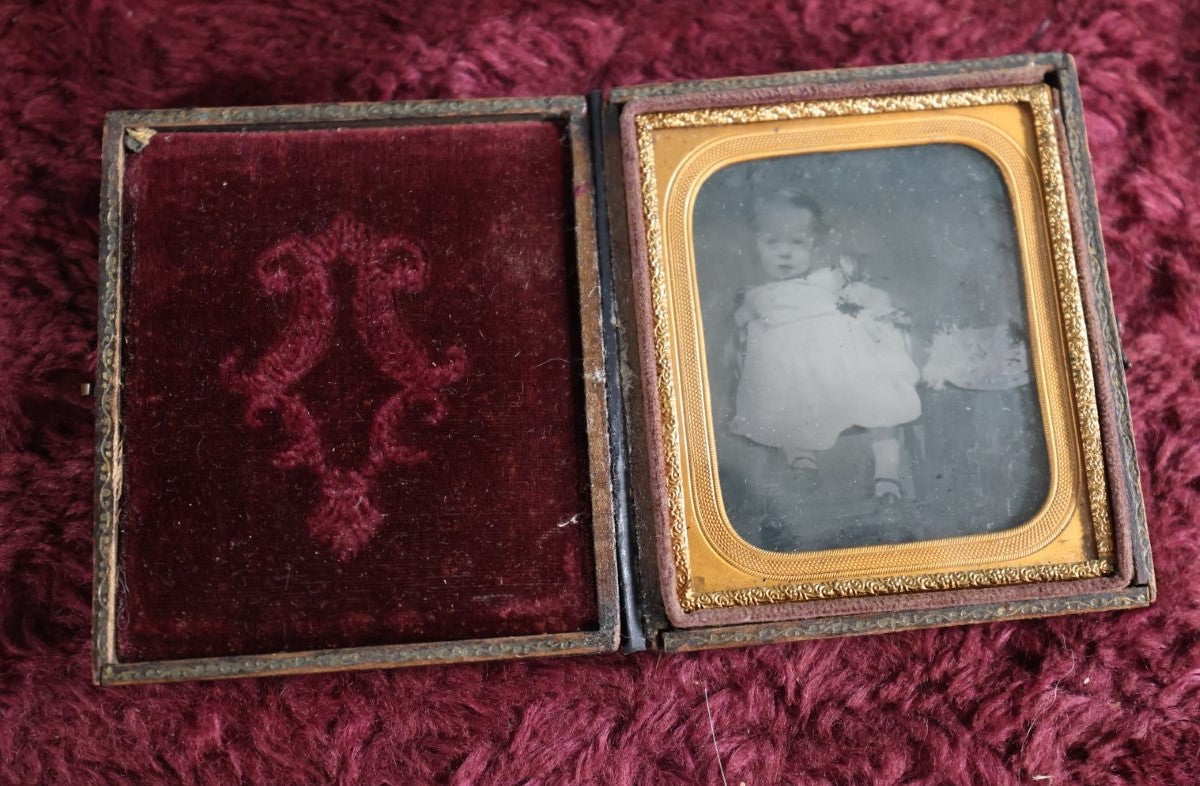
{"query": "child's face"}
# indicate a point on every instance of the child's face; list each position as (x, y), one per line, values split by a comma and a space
(786, 236)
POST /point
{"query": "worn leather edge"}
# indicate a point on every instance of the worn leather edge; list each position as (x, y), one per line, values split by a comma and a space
(1094, 275)
(892, 622)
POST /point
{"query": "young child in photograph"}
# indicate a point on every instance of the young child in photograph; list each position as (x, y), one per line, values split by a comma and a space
(822, 351)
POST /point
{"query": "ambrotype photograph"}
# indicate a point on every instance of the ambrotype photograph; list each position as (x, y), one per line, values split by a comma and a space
(867, 348)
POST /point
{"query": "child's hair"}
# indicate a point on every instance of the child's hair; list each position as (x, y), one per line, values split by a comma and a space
(796, 199)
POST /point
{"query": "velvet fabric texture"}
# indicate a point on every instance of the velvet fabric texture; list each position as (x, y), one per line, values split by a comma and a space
(352, 411)
(1097, 699)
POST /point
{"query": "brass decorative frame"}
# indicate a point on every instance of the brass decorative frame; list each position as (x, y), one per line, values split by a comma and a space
(1060, 344)
(126, 133)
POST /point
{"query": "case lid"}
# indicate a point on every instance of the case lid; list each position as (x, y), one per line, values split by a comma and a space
(351, 398)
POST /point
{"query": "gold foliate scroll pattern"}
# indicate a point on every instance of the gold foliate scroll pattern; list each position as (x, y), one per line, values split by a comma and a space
(1038, 99)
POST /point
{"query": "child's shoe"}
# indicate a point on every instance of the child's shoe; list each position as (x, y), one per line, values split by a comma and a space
(888, 491)
(804, 470)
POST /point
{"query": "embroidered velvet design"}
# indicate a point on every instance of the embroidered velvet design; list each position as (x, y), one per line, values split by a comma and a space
(385, 270)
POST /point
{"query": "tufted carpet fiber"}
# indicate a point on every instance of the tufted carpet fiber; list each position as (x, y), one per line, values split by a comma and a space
(1098, 699)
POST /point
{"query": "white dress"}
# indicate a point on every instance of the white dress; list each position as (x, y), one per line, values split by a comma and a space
(822, 354)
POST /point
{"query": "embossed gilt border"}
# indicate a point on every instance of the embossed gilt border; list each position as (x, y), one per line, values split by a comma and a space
(1070, 308)
(126, 133)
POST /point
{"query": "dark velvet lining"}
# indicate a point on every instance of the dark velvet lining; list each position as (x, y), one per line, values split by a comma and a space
(352, 410)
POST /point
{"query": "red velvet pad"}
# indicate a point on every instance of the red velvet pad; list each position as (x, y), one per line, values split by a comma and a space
(352, 401)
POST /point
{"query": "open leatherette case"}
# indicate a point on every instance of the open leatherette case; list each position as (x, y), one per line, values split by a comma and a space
(692, 365)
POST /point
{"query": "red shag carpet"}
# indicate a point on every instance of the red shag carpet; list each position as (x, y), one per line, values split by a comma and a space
(1098, 699)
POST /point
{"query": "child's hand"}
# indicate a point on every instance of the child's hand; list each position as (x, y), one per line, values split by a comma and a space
(933, 376)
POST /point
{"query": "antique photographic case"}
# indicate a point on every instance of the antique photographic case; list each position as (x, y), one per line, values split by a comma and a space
(684, 366)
